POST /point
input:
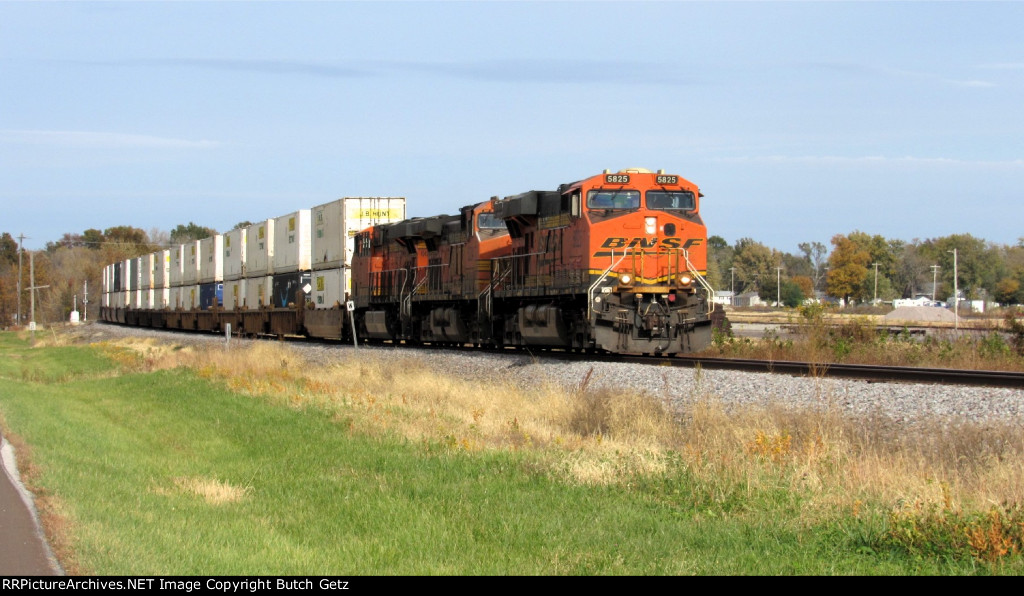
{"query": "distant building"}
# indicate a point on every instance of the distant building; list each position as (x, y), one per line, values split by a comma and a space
(748, 299)
(725, 298)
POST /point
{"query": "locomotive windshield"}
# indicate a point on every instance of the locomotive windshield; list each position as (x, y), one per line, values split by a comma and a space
(613, 199)
(671, 200)
(490, 221)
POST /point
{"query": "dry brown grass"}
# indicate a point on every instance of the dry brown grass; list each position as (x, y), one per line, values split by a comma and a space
(211, 490)
(598, 435)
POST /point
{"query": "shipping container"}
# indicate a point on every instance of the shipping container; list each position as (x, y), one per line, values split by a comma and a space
(259, 249)
(258, 291)
(190, 264)
(177, 271)
(290, 287)
(146, 272)
(291, 242)
(234, 293)
(174, 298)
(211, 265)
(162, 269)
(146, 299)
(336, 224)
(211, 295)
(234, 254)
(140, 270)
(128, 276)
(161, 298)
(328, 288)
(190, 297)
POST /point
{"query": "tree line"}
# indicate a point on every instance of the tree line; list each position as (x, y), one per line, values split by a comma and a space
(858, 267)
(73, 265)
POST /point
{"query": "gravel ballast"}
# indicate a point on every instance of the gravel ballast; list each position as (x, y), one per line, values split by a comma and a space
(906, 403)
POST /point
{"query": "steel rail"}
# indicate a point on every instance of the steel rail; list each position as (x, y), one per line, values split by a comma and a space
(867, 372)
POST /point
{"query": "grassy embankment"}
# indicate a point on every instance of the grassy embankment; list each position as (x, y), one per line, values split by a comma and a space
(827, 337)
(155, 459)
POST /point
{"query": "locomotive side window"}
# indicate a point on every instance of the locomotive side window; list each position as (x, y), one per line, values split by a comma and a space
(489, 221)
(613, 199)
(671, 200)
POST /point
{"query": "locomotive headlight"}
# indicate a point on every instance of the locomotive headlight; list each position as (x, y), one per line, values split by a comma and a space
(625, 279)
(685, 280)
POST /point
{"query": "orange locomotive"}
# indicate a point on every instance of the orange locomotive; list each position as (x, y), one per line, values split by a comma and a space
(614, 262)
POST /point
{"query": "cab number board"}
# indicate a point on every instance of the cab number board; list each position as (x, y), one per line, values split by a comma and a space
(616, 178)
(662, 179)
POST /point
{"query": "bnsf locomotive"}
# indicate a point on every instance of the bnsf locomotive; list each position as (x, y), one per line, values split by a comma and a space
(614, 262)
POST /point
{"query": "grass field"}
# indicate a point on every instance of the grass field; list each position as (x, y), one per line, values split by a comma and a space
(149, 458)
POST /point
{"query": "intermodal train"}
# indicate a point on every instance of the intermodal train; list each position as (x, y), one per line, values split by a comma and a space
(615, 262)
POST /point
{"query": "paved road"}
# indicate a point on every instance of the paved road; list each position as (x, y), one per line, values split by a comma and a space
(23, 551)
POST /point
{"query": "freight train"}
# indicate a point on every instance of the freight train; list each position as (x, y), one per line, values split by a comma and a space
(614, 262)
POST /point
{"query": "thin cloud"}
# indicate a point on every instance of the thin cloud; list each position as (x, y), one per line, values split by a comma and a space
(98, 140)
(510, 70)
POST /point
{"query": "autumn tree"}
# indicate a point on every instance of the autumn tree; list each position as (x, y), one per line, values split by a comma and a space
(183, 234)
(755, 263)
(847, 268)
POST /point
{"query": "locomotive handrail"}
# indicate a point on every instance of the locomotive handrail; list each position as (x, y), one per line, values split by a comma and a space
(703, 282)
(510, 258)
(593, 286)
(485, 305)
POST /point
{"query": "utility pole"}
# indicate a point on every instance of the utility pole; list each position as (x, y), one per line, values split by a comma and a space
(85, 301)
(778, 287)
(956, 294)
(32, 291)
(875, 299)
(21, 240)
(935, 274)
(732, 271)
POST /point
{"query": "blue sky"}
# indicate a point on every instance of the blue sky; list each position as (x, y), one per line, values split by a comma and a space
(798, 120)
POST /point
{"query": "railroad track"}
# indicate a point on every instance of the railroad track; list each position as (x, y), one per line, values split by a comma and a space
(866, 372)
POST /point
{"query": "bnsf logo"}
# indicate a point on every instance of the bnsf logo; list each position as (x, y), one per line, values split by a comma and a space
(670, 242)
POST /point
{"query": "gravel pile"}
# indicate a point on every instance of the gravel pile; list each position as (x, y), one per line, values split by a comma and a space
(901, 402)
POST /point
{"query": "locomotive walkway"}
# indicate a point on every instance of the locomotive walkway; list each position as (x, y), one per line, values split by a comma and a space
(23, 550)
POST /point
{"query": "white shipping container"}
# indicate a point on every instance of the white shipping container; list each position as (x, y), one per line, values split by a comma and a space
(190, 297)
(328, 288)
(211, 265)
(259, 249)
(190, 264)
(128, 281)
(177, 271)
(336, 224)
(146, 299)
(291, 242)
(161, 269)
(258, 291)
(234, 254)
(139, 267)
(146, 272)
(161, 298)
(174, 298)
(234, 293)
(117, 299)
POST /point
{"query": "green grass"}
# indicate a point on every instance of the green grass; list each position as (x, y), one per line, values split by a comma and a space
(169, 473)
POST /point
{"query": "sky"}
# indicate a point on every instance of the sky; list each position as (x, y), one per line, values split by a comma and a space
(798, 120)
